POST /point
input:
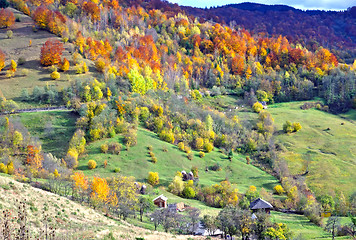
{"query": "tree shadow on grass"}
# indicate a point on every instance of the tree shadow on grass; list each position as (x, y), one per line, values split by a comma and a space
(82, 168)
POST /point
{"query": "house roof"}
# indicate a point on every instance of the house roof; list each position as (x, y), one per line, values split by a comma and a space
(162, 197)
(260, 204)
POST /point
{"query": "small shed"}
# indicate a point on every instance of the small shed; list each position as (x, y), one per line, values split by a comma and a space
(179, 207)
(160, 201)
(260, 204)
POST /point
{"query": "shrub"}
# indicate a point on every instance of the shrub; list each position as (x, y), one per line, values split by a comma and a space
(187, 149)
(195, 171)
(13, 66)
(296, 127)
(114, 148)
(117, 170)
(149, 147)
(24, 72)
(21, 61)
(3, 168)
(105, 163)
(287, 127)
(201, 154)
(190, 156)
(165, 149)
(278, 189)
(153, 178)
(199, 143)
(166, 136)
(65, 65)
(154, 159)
(257, 107)
(216, 167)
(144, 113)
(181, 146)
(130, 138)
(104, 148)
(208, 147)
(9, 34)
(10, 168)
(91, 164)
(100, 65)
(189, 192)
(55, 75)
(248, 160)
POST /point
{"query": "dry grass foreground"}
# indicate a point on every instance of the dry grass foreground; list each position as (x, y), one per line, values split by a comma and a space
(72, 220)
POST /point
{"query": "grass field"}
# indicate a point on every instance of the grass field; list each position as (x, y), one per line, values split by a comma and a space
(301, 226)
(326, 145)
(54, 129)
(136, 162)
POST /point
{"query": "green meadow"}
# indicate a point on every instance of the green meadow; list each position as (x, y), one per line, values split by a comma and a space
(137, 162)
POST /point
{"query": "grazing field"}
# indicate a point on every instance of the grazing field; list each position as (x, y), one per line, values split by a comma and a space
(302, 227)
(54, 129)
(32, 73)
(137, 162)
(325, 146)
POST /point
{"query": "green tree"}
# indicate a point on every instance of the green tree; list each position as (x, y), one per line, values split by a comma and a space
(177, 185)
(209, 122)
(145, 203)
(17, 138)
(332, 225)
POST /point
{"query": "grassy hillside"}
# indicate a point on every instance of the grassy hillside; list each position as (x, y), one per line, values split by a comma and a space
(326, 144)
(136, 162)
(329, 154)
(301, 226)
(72, 220)
(54, 129)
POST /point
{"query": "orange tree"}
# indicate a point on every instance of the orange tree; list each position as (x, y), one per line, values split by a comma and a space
(51, 52)
(7, 18)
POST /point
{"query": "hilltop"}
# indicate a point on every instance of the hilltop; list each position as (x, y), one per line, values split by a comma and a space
(313, 28)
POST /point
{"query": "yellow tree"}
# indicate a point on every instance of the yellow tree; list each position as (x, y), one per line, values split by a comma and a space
(34, 158)
(81, 183)
(124, 196)
(100, 191)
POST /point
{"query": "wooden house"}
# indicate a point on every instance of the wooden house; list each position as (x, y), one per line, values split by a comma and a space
(260, 204)
(160, 201)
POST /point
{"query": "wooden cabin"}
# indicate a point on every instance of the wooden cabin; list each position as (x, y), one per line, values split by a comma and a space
(260, 204)
(160, 201)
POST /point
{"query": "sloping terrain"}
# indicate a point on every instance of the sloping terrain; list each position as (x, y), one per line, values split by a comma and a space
(136, 162)
(31, 73)
(71, 220)
(325, 147)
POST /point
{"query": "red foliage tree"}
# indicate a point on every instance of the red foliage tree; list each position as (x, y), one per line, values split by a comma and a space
(40, 16)
(7, 18)
(92, 10)
(51, 52)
